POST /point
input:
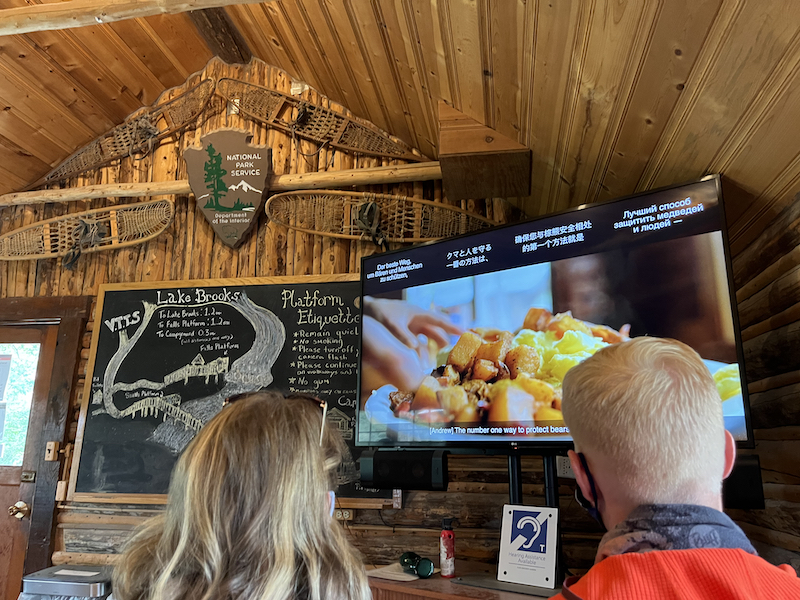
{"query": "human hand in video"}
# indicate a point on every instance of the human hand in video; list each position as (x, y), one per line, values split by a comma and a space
(406, 321)
(388, 360)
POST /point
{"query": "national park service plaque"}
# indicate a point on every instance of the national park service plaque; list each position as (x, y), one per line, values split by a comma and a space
(228, 176)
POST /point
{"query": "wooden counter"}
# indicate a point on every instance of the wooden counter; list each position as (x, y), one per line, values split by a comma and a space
(442, 588)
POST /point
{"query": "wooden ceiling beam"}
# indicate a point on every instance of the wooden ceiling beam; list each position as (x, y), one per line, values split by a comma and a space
(221, 35)
(80, 13)
(479, 162)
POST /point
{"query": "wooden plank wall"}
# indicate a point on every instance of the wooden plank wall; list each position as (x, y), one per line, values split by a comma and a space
(88, 533)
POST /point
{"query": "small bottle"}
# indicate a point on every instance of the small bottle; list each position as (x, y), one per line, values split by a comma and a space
(447, 549)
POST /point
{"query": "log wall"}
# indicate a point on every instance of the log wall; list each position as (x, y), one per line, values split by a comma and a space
(767, 280)
(92, 533)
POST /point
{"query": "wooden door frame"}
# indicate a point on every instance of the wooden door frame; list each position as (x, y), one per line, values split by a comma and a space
(70, 314)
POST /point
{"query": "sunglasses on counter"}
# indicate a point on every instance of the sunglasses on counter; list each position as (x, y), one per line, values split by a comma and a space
(322, 404)
(416, 565)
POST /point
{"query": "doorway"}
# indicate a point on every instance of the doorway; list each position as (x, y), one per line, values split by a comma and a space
(39, 350)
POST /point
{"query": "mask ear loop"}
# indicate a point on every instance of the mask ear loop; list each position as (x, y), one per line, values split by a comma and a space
(590, 505)
(332, 500)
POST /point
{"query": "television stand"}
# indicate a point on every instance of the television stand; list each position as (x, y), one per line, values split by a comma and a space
(515, 479)
(490, 581)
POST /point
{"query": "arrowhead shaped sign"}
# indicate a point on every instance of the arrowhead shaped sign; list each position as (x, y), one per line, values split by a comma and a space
(229, 177)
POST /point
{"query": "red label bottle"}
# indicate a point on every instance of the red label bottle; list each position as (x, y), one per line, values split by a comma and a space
(447, 549)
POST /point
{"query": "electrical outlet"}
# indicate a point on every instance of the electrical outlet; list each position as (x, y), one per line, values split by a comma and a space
(343, 514)
(563, 468)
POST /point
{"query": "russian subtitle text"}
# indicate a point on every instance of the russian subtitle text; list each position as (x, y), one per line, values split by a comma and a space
(658, 216)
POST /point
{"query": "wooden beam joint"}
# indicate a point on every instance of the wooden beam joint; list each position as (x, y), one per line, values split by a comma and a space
(479, 162)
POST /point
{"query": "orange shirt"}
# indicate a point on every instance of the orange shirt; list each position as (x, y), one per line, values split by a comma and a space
(707, 574)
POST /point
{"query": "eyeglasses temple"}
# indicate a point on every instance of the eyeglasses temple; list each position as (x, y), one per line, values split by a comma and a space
(324, 418)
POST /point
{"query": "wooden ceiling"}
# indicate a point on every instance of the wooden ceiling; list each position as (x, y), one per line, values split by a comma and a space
(612, 96)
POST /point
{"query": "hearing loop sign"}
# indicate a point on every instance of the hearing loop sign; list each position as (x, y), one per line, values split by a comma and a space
(528, 545)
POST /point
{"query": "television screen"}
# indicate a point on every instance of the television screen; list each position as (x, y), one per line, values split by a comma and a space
(467, 340)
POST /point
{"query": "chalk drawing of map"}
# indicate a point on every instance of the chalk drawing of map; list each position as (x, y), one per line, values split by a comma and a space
(182, 419)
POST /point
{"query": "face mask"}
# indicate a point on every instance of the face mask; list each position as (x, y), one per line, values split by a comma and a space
(579, 497)
(332, 500)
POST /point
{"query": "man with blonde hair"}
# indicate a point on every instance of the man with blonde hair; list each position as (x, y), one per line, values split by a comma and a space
(651, 451)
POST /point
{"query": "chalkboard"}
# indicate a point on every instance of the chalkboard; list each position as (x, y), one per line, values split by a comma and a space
(164, 357)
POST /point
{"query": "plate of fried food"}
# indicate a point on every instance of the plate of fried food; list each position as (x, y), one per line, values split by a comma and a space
(495, 384)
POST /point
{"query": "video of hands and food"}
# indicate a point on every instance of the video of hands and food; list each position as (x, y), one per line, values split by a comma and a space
(482, 357)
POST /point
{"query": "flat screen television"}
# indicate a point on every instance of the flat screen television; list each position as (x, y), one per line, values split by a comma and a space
(558, 288)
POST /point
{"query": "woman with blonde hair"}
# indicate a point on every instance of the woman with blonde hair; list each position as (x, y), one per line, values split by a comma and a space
(248, 515)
